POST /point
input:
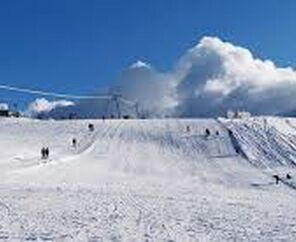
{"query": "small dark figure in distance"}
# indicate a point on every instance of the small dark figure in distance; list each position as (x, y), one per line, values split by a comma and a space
(46, 151)
(288, 176)
(277, 179)
(74, 142)
(217, 133)
(43, 156)
(208, 132)
(187, 128)
(91, 127)
(103, 118)
(237, 150)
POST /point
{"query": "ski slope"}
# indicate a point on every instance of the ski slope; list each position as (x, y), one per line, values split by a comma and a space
(148, 180)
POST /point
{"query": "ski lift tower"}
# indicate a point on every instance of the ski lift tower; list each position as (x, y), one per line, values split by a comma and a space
(116, 99)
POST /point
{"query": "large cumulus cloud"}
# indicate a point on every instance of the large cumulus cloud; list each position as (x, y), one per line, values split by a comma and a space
(211, 78)
(215, 76)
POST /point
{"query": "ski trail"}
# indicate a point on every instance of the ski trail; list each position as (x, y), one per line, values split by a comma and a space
(234, 141)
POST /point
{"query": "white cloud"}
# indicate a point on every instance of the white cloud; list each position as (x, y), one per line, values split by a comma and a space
(153, 91)
(140, 64)
(42, 105)
(215, 75)
(3, 106)
(210, 78)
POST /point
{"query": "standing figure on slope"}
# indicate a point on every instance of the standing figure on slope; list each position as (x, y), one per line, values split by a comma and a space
(207, 133)
(43, 156)
(277, 179)
(46, 152)
(91, 127)
(187, 128)
(74, 143)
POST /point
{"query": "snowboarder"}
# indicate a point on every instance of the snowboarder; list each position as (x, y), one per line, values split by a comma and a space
(288, 176)
(277, 179)
(90, 127)
(74, 142)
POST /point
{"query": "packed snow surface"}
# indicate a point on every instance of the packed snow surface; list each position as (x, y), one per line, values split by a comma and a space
(148, 180)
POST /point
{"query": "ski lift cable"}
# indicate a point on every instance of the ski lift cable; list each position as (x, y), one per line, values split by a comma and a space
(52, 94)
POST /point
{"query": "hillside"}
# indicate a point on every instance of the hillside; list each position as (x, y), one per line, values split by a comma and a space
(148, 179)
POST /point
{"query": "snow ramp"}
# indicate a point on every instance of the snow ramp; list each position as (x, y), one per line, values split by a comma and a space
(265, 142)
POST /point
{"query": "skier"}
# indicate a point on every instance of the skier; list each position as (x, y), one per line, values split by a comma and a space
(43, 153)
(208, 132)
(46, 152)
(277, 179)
(74, 142)
(288, 176)
(187, 128)
(217, 133)
(91, 127)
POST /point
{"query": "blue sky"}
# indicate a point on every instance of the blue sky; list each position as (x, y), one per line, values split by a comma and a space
(78, 46)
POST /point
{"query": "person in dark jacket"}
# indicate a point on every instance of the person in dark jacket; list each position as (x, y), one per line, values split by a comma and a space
(46, 151)
(288, 176)
(277, 179)
(207, 132)
(187, 128)
(43, 153)
(91, 127)
(74, 142)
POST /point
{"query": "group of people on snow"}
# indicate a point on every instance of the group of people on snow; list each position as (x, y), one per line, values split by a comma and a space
(207, 131)
(44, 152)
(278, 178)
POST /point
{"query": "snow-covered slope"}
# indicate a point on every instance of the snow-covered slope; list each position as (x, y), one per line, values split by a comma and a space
(159, 148)
(266, 142)
(147, 180)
